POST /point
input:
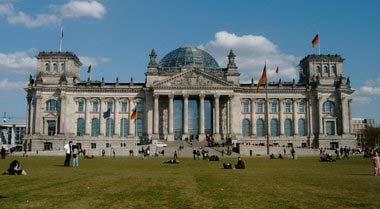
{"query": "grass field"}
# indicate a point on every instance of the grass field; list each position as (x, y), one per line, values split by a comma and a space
(136, 183)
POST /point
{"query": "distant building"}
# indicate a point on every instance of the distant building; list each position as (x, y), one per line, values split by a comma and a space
(12, 133)
(187, 95)
(358, 127)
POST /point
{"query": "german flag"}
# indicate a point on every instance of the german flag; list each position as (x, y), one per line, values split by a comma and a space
(134, 114)
(316, 40)
(263, 80)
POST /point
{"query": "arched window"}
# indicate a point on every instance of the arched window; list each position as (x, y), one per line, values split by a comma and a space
(334, 70)
(124, 130)
(95, 127)
(326, 70)
(140, 108)
(302, 127)
(110, 106)
(52, 105)
(139, 127)
(288, 127)
(274, 107)
(328, 107)
(55, 67)
(47, 67)
(246, 125)
(319, 70)
(246, 104)
(110, 127)
(81, 127)
(260, 127)
(63, 67)
(95, 106)
(124, 107)
(274, 127)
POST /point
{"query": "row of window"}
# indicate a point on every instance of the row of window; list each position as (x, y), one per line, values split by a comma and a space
(288, 105)
(55, 67)
(327, 71)
(274, 127)
(110, 127)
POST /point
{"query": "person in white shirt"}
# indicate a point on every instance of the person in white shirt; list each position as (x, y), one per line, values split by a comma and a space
(68, 151)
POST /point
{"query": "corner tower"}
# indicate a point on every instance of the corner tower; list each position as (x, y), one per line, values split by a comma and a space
(57, 68)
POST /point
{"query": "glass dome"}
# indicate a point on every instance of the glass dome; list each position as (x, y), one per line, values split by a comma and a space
(188, 57)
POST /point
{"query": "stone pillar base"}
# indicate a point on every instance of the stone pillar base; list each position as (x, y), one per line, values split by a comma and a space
(184, 136)
(154, 137)
(202, 137)
(170, 137)
(217, 138)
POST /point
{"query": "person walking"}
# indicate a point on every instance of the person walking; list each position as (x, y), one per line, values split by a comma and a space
(175, 154)
(75, 156)
(194, 153)
(2, 152)
(68, 151)
(376, 164)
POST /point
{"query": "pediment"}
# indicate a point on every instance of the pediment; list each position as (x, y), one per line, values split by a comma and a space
(193, 79)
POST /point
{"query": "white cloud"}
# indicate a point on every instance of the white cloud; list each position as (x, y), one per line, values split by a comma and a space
(57, 13)
(14, 85)
(372, 87)
(93, 61)
(251, 53)
(75, 9)
(18, 62)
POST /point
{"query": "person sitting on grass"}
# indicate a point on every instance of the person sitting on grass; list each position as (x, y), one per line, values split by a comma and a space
(227, 166)
(171, 161)
(15, 169)
(240, 164)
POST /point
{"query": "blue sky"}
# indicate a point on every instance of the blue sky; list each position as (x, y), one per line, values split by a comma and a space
(116, 36)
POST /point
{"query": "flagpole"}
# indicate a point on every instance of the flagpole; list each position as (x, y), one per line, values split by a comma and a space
(60, 40)
(267, 116)
(319, 45)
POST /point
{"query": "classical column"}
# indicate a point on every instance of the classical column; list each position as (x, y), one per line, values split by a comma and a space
(281, 117)
(186, 115)
(201, 114)
(87, 116)
(349, 116)
(171, 119)
(295, 116)
(320, 106)
(39, 108)
(62, 115)
(13, 135)
(131, 121)
(102, 121)
(345, 116)
(116, 116)
(156, 114)
(253, 117)
(216, 119)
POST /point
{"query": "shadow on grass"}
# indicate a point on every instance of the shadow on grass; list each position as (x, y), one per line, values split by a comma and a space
(2, 197)
(360, 174)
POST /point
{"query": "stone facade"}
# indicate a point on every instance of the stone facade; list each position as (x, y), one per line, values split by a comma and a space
(315, 111)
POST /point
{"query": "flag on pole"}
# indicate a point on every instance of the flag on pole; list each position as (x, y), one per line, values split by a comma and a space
(263, 80)
(107, 114)
(316, 40)
(134, 114)
(277, 70)
(89, 69)
(61, 32)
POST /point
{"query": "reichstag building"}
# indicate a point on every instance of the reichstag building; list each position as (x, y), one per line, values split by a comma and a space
(187, 95)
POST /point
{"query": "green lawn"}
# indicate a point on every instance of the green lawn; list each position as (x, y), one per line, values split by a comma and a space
(136, 183)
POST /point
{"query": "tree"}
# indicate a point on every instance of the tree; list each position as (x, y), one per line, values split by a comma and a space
(372, 136)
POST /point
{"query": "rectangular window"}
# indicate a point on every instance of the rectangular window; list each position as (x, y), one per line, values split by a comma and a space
(124, 107)
(80, 106)
(246, 106)
(93, 145)
(52, 124)
(110, 106)
(95, 107)
(274, 108)
(260, 107)
(288, 107)
(301, 107)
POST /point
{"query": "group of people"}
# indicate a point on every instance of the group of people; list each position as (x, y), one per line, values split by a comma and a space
(239, 165)
(198, 152)
(72, 151)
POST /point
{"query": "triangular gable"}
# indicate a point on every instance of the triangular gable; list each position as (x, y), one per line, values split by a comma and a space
(193, 79)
